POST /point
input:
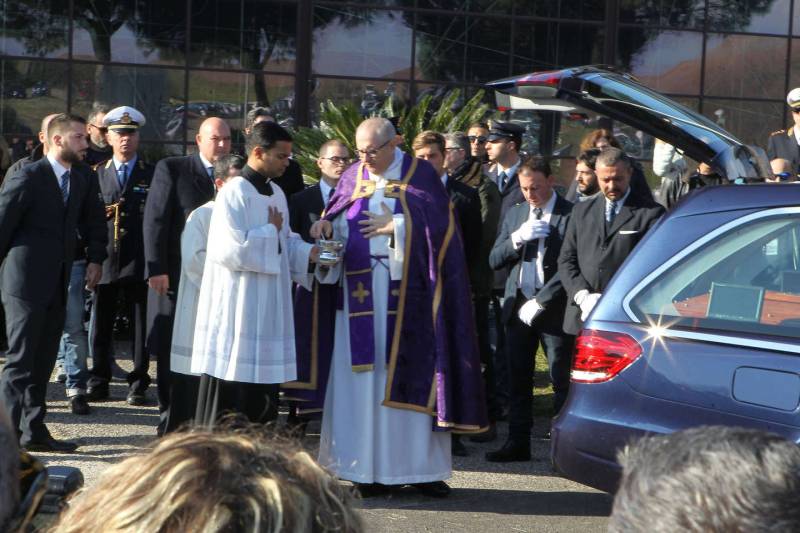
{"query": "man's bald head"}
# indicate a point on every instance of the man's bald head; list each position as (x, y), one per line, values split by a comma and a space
(213, 138)
(376, 138)
(377, 129)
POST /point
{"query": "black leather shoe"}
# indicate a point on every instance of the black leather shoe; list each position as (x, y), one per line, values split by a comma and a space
(49, 444)
(370, 490)
(457, 447)
(136, 398)
(511, 451)
(98, 394)
(78, 405)
(117, 372)
(487, 436)
(433, 489)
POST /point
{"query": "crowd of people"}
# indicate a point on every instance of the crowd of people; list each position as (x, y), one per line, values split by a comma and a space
(403, 296)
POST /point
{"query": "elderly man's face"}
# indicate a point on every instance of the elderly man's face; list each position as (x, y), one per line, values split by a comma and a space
(214, 139)
(377, 153)
(454, 155)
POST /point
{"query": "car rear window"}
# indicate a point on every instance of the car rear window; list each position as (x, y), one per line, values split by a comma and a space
(746, 280)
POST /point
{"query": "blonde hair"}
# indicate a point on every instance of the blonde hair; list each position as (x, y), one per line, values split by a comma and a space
(214, 482)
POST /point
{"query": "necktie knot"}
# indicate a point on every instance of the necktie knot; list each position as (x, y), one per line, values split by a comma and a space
(210, 171)
(611, 211)
(537, 212)
(122, 175)
(501, 179)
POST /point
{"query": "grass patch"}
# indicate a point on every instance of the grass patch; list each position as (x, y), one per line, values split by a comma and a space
(542, 388)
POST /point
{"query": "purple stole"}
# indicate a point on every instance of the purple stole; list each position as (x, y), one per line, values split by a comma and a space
(433, 364)
(358, 272)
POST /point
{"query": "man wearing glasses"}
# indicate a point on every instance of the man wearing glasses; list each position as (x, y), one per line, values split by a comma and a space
(99, 150)
(306, 206)
(477, 134)
(404, 363)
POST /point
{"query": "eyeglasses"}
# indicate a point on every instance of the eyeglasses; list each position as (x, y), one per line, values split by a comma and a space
(336, 160)
(784, 176)
(480, 139)
(796, 110)
(101, 129)
(372, 153)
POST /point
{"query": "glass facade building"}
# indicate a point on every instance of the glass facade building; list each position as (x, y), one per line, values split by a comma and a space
(180, 61)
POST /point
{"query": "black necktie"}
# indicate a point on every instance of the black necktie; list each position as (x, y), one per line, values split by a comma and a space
(532, 247)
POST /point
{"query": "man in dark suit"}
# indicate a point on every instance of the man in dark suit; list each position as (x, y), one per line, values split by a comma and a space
(306, 206)
(179, 186)
(503, 144)
(533, 305)
(430, 147)
(601, 233)
(785, 144)
(291, 181)
(41, 208)
(124, 182)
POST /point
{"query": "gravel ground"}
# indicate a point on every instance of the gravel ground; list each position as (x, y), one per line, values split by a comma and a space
(524, 496)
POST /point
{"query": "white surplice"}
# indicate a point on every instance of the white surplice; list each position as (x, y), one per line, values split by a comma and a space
(193, 258)
(362, 440)
(245, 328)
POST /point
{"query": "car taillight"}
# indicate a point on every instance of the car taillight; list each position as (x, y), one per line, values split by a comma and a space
(549, 77)
(601, 355)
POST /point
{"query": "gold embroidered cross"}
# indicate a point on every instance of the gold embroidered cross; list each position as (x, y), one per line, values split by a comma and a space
(360, 293)
(395, 292)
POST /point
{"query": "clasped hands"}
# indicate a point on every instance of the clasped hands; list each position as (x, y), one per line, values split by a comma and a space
(532, 230)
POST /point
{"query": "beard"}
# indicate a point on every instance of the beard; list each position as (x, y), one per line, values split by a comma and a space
(72, 156)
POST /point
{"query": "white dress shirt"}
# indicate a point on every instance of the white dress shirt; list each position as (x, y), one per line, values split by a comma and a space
(531, 276)
(59, 170)
(510, 173)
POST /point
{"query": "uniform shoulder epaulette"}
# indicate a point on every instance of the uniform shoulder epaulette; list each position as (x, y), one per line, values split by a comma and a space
(779, 132)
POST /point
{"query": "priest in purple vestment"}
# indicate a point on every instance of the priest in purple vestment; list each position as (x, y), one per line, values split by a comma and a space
(394, 361)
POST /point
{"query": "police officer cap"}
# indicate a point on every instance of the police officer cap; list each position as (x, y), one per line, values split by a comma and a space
(793, 98)
(505, 130)
(124, 119)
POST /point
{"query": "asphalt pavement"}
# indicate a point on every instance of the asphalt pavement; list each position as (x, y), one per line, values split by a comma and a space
(524, 496)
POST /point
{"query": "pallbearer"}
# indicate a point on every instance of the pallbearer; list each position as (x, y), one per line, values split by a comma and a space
(124, 184)
(405, 369)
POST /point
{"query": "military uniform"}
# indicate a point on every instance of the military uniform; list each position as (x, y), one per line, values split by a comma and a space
(124, 187)
(783, 145)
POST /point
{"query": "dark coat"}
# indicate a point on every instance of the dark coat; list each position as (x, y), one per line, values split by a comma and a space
(467, 206)
(179, 186)
(510, 196)
(551, 296)
(305, 208)
(38, 232)
(782, 144)
(128, 262)
(291, 181)
(591, 254)
(471, 173)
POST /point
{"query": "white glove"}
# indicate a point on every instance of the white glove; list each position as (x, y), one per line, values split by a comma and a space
(588, 303)
(580, 296)
(531, 230)
(529, 311)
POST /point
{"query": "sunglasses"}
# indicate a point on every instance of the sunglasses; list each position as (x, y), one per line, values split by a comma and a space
(480, 139)
(101, 129)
